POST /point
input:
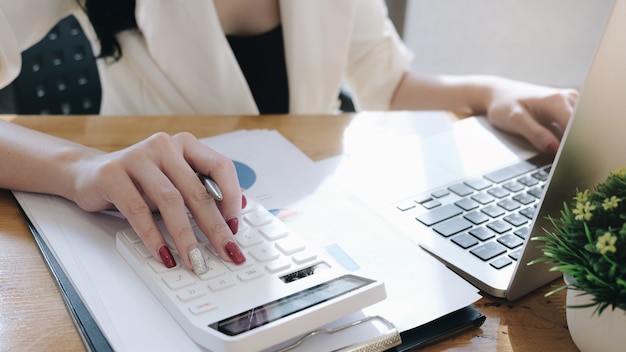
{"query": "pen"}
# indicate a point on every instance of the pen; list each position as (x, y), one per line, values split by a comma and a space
(211, 187)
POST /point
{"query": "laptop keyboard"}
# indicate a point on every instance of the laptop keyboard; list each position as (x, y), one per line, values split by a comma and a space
(488, 216)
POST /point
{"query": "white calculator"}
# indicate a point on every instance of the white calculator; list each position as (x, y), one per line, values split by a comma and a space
(286, 288)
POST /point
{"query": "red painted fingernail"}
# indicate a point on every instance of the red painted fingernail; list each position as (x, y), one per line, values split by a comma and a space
(244, 201)
(552, 148)
(167, 257)
(234, 253)
(233, 224)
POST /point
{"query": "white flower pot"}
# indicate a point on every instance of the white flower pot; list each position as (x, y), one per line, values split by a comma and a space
(591, 332)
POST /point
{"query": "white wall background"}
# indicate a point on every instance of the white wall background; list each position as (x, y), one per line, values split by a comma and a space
(542, 41)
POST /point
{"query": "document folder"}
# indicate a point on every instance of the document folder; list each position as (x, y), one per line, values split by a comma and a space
(388, 338)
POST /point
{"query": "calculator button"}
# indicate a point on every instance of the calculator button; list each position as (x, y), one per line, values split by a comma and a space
(274, 230)
(277, 265)
(143, 250)
(158, 267)
(131, 236)
(178, 279)
(259, 217)
(236, 267)
(202, 308)
(264, 253)
(190, 294)
(214, 269)
(290, 245)
(222, 283)
(248, 239)
(249, 274)
(303, 257)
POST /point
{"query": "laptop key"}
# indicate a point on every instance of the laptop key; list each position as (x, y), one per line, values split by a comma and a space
(536, 192)
(498, 192)
(478, 183)
(499, 226)
(511, 241)
(433, 203)
(528, 212)
(476, 217)
(483, 198)
(452, 226)
(524, 198)
(467, 204)
(514, 186)
(522, 232)
(528, 181)
(516, 220)
(488, 250)
(508, 204)
(439, 214)
(461, 189)
(440, 193)
(465, 241)
(509, 172)
(501, 262)
(493, 211)
(515, 255)
(482, 233)
(517, 169)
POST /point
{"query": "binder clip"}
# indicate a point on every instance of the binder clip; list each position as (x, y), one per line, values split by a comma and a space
(384, 340)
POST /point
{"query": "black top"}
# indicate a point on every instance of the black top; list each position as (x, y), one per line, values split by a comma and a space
(262, 60)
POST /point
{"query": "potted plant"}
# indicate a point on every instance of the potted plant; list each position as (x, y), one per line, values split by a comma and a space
(588, 244)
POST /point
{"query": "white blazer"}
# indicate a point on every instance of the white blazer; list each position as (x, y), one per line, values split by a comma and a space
(179, 62)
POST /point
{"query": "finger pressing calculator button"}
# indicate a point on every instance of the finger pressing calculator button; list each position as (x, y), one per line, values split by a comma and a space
(158, 267)
(215, 269)
(236, 267)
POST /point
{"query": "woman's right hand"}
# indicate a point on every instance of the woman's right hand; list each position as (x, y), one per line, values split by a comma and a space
(159, 173)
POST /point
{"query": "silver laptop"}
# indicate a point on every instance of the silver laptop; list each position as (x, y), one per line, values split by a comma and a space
(473, 196)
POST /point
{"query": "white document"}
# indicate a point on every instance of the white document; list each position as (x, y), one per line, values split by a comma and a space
(419, 288)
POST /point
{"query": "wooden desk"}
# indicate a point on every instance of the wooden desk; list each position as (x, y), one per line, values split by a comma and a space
(33, 316)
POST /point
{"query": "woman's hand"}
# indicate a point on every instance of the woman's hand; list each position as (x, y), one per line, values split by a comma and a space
(159, 173)
(538, 113)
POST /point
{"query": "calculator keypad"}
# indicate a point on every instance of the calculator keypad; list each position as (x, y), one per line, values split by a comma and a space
(267, 243)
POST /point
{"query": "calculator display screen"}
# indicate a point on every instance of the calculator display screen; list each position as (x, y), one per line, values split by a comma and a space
(288, 305)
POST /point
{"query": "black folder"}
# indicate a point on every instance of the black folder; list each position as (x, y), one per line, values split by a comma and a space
(94, 340)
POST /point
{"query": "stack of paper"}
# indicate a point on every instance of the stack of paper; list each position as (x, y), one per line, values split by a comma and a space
(302, 193)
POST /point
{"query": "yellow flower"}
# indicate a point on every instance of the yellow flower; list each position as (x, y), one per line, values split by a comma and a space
(606, 243)
(583, 211)
(620, 172)
(582, 197)
(611, 203)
